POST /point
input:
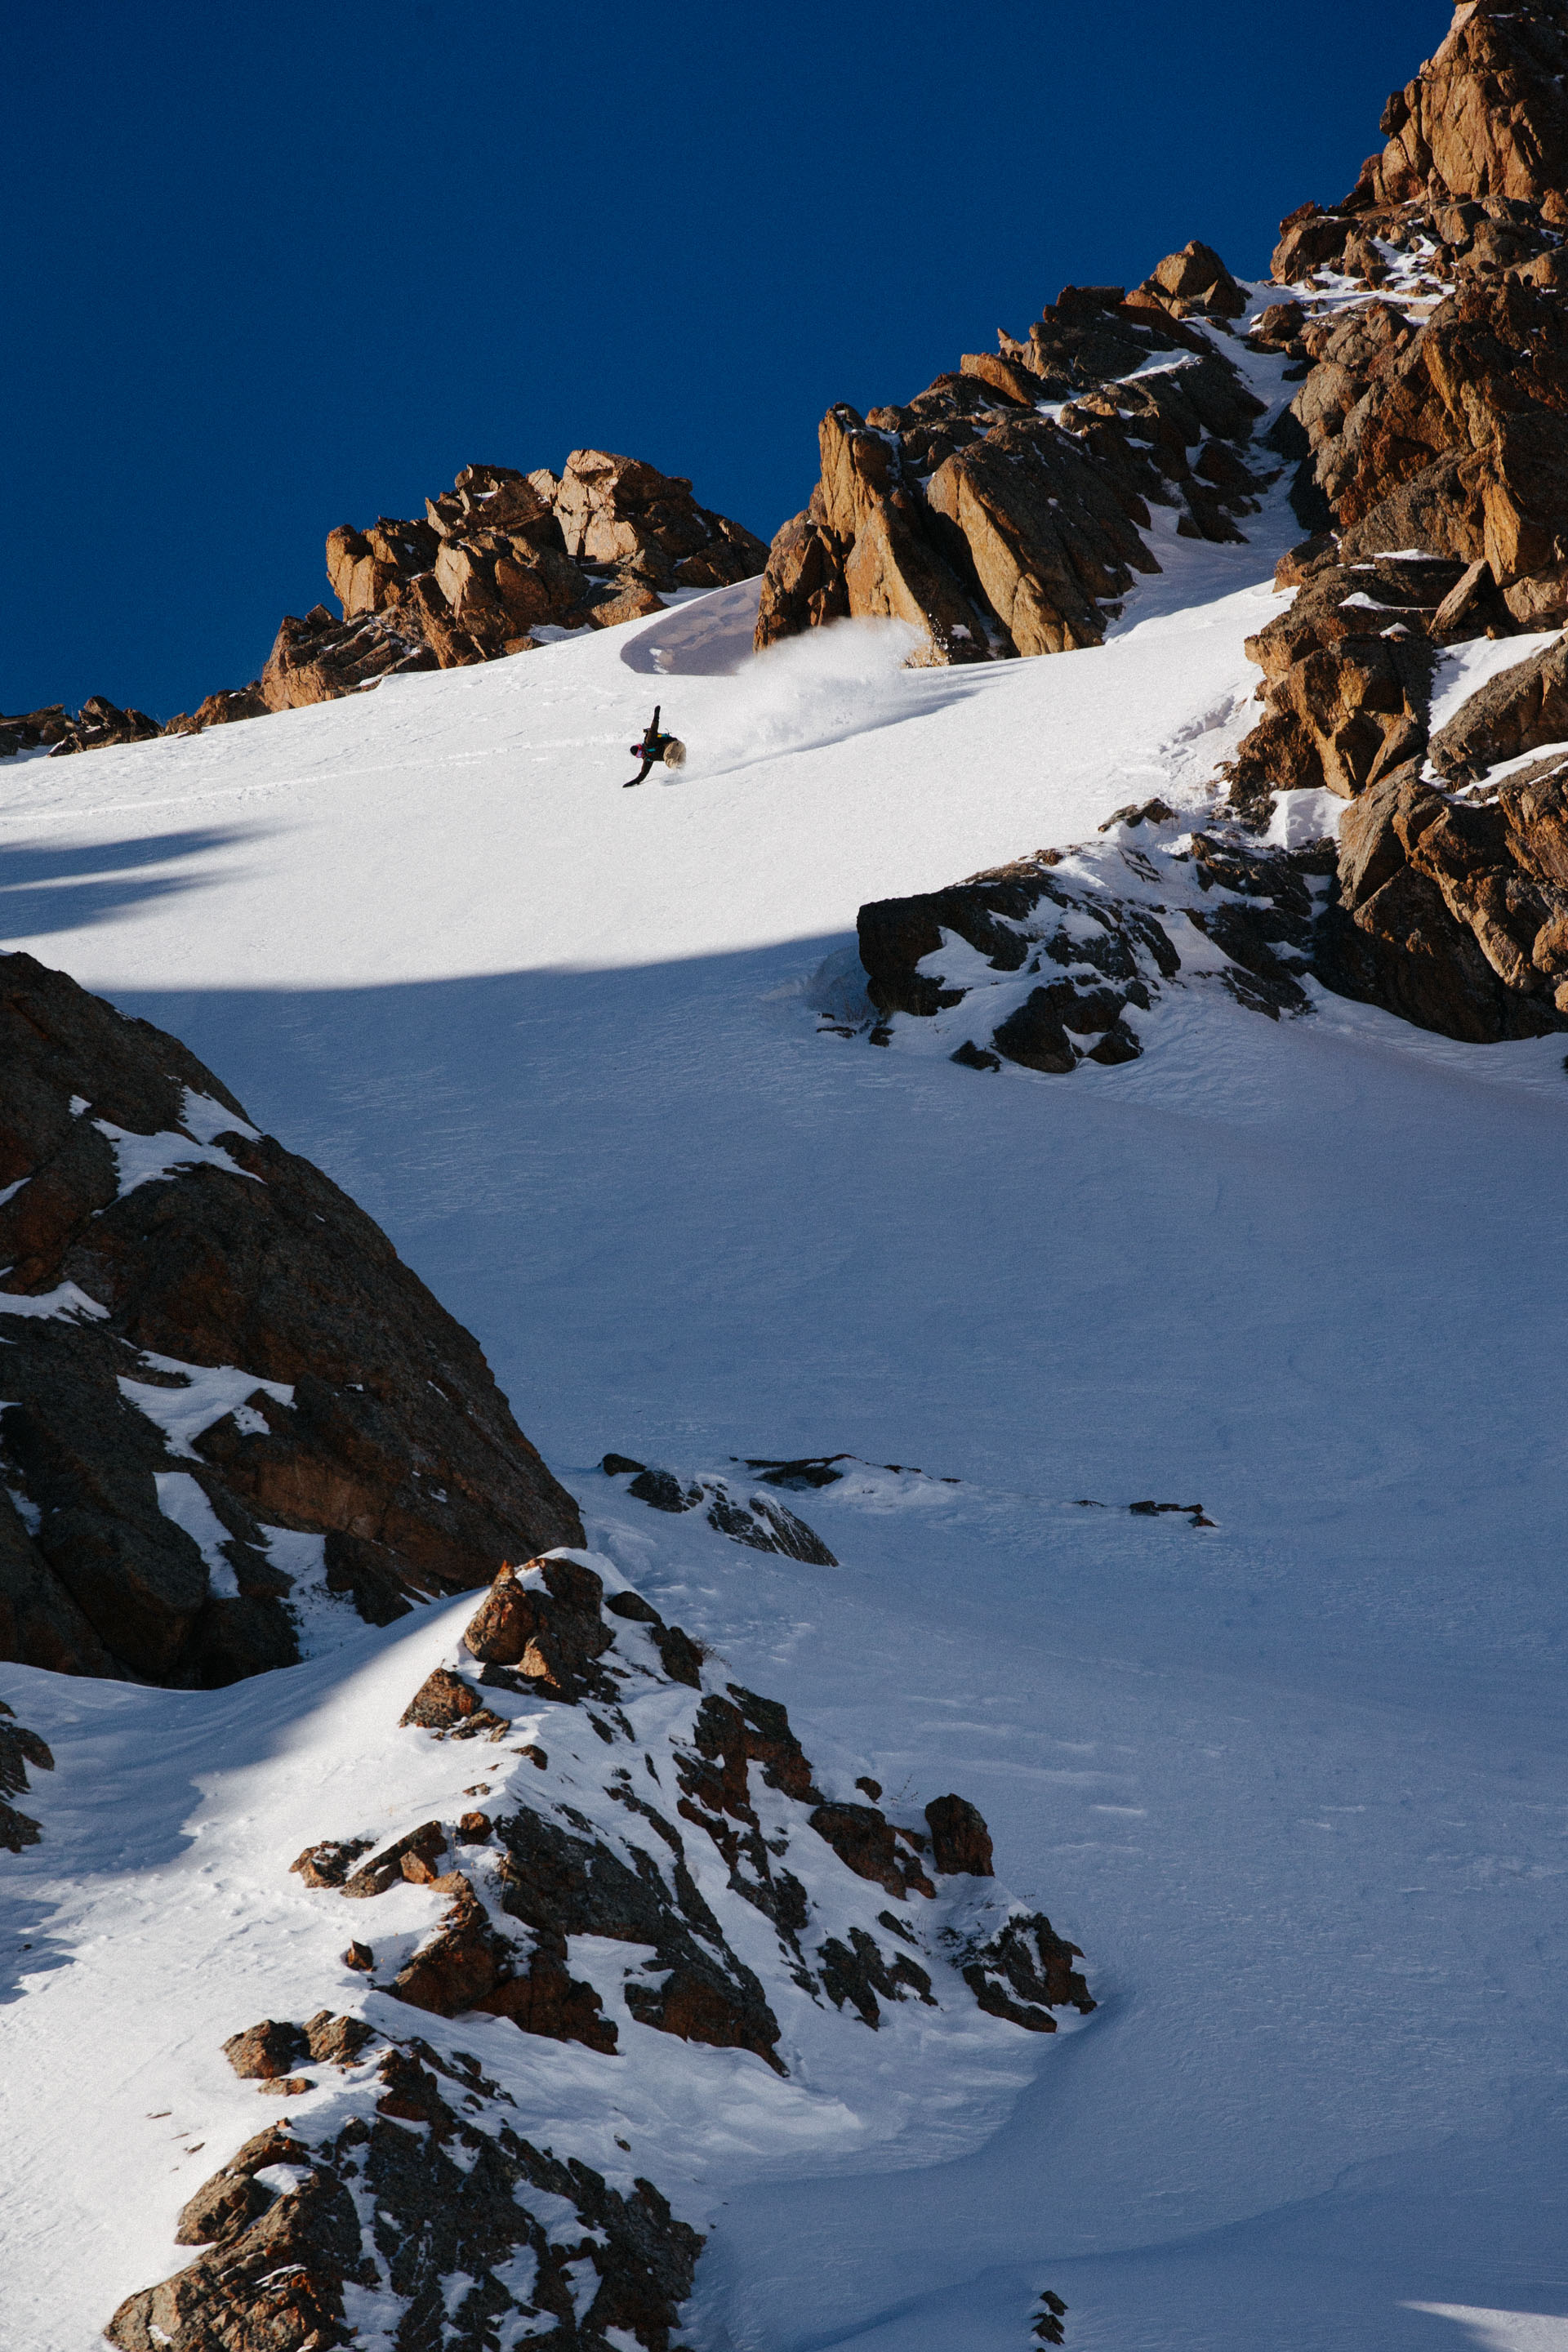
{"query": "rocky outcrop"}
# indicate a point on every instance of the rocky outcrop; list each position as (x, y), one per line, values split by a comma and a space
(541, 1872)
(1450, 912)
(213, 1354)
(959, 1837)
(34, 731)
(496, 558)
(1454, 914)
(1347, 673)
(432, 2216)
(1463, 442)
(754, 1521)
(221, 710)
(100, 724)
(1433, 421)
(1024, 1972)
(1194, 283)
(1435, 416)
(619, 511)
(665, 1821)
(1079, 946)
(319, 658)
(1001, 511)
(18, 1749)
(1487, 118)
(500, 556)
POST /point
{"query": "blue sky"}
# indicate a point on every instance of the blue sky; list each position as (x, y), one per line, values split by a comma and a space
(274, 269)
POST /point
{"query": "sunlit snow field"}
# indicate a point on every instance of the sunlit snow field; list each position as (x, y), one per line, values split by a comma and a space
(1296, 1785)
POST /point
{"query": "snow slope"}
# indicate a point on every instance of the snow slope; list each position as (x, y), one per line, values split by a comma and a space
(1296, 1784)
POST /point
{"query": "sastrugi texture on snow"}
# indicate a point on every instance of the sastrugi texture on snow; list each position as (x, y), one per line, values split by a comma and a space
(226, 1396)
(426, 2208)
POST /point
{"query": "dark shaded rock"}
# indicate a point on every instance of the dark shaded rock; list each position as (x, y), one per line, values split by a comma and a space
(802, 1476)
(972, 1056)
(101, 724)
(397, 2214)
(562, 1885)
(681, 1656)
(1451, 915)
(960, 1841)
(662, 1491)
(631, 1606)
(1047, 2325)
(865, 1842)
(764, 1524)
(18, 1749)
(1033, 1036)
(856, 1972)
(1019, 915)
(616, 1465)
(33, 731)
(17, 1829)
(1024, 1972)
(395, 1438)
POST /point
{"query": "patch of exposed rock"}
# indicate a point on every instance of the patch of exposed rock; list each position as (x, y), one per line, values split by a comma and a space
(427, 2218)
(1454, 913)
(1059, 960)
(1002, 510)
(496, 558)
(18, 1749)
(535, 1871)
(755, 1520)
(212, 1353)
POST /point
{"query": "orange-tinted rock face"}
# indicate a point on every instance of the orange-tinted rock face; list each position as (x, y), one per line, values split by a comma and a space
(1001, 511)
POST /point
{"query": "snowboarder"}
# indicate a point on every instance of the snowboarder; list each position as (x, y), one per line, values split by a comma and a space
(650, 751)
